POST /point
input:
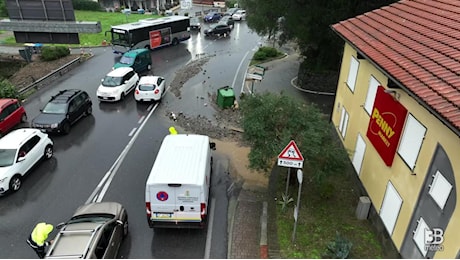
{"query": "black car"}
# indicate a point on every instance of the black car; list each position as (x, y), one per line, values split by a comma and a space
(218, 30)
(64, 109)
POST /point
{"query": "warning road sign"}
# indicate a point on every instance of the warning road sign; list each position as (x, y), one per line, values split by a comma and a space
(291, 156)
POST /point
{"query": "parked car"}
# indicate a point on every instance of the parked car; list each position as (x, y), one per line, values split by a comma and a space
(20, 150)
(195, 24)
(96, 230)
(63, 110)
(212, 17)
(117, 84)
(138, 59)
(11, 114)
(149, 88)
(217, 30)
(239, 15)
(228, 20)
(231, 11)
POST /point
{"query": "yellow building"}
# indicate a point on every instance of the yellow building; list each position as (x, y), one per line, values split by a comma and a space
(397, 112)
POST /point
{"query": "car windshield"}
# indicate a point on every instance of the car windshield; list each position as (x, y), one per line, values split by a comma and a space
(94, 218)
(126, 60)
(55, 108)
(213, 26)
(147, 87)
(111, 81)
(7, 157)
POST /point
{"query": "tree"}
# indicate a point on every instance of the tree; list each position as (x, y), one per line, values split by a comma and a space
(270, 121)
(264, 15)
(3, 10)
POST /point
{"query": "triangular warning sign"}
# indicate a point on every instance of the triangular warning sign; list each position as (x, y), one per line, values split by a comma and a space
(291, 152)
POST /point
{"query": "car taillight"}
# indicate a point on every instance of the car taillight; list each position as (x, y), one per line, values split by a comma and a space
(203, 211)
(156, 91)
(148, 210)
(137, 92)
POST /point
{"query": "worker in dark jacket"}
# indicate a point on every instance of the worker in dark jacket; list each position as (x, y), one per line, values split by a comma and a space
(38, 237)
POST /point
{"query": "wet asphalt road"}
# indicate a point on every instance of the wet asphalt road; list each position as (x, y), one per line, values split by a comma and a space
(55, 188)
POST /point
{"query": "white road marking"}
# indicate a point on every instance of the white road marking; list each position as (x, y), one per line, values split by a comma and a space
(140, 120)
(238, 69)
(132, 131)
(98, 194)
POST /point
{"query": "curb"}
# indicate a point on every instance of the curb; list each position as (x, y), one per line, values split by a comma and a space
(310, 91)
(232, 204)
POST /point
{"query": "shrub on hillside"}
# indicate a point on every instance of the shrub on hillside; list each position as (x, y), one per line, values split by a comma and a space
(8, 90)
(54, 52)
(86, 5)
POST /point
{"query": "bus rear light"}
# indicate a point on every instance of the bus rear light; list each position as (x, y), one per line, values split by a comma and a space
(148, 209)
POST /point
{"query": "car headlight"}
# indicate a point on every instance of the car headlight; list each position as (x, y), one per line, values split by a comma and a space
(55, 125)
(3, 179)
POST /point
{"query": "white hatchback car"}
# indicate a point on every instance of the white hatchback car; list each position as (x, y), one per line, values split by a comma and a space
(239, 15)
(150, 88)
(117, 84)
(19, 151)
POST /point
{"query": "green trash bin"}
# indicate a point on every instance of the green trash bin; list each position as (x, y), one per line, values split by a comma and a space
(225, 97)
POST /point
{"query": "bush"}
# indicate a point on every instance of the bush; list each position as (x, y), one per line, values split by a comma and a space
(86, 5)
(339, 248)
(54, 52)
(269, 51)
(260, 55)
(8, 90)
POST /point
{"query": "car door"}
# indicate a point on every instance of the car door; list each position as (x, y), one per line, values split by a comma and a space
(30, 153)
(14, 114)
(130, 76)
(72, 113)
(110, 237)
(4, 123)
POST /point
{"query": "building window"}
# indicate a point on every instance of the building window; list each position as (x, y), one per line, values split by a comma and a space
(411, 141)
(343, 122)
(390, 208)
(358, 157)
(440, 189)
(353, 73)
(371, 92)
(419, 235)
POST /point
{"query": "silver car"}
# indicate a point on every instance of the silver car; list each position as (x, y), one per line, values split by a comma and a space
(96, 230)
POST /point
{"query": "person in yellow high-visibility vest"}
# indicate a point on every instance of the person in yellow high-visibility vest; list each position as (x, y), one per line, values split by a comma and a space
(37, 239)
(172, 130)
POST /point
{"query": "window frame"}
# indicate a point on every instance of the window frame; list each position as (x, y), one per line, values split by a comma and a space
(352, 73)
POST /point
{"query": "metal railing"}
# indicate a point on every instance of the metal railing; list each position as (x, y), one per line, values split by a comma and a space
(47, 79)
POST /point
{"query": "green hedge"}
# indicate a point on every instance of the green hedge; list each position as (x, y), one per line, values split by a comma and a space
(7, 90)
(265, 53)
(49, 53)
(86, 5)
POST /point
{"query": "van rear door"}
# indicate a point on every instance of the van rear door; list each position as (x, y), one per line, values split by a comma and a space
(175, 203)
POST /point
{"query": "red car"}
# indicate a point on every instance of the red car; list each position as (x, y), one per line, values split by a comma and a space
(11, 114)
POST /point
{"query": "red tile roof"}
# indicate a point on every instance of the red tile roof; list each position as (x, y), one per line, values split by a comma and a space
(417, 43)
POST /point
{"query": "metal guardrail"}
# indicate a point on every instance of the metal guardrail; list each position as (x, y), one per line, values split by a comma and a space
(51, 76)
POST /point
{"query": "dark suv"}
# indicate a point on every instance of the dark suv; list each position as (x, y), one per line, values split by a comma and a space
(217, 30)
(63, 110)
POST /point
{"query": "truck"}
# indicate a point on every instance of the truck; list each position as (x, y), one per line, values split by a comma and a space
(178, 186)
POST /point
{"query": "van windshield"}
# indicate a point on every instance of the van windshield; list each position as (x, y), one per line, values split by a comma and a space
(126, 60)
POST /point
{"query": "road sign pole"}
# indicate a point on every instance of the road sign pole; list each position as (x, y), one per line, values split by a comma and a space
(296, 211)
(287, 187)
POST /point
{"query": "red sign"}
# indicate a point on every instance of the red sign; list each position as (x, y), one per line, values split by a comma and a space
(155, 39)
(386, 125)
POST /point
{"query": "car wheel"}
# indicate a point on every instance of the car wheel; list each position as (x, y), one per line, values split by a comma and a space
(175, 41)
(15, 183)
(89, 111)
(66, 128)
(24, 118)
(48, 153)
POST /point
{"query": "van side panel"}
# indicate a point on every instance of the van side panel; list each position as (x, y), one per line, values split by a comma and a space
(177, 189)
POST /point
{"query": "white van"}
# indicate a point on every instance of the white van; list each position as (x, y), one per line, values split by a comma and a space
(177, 189)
